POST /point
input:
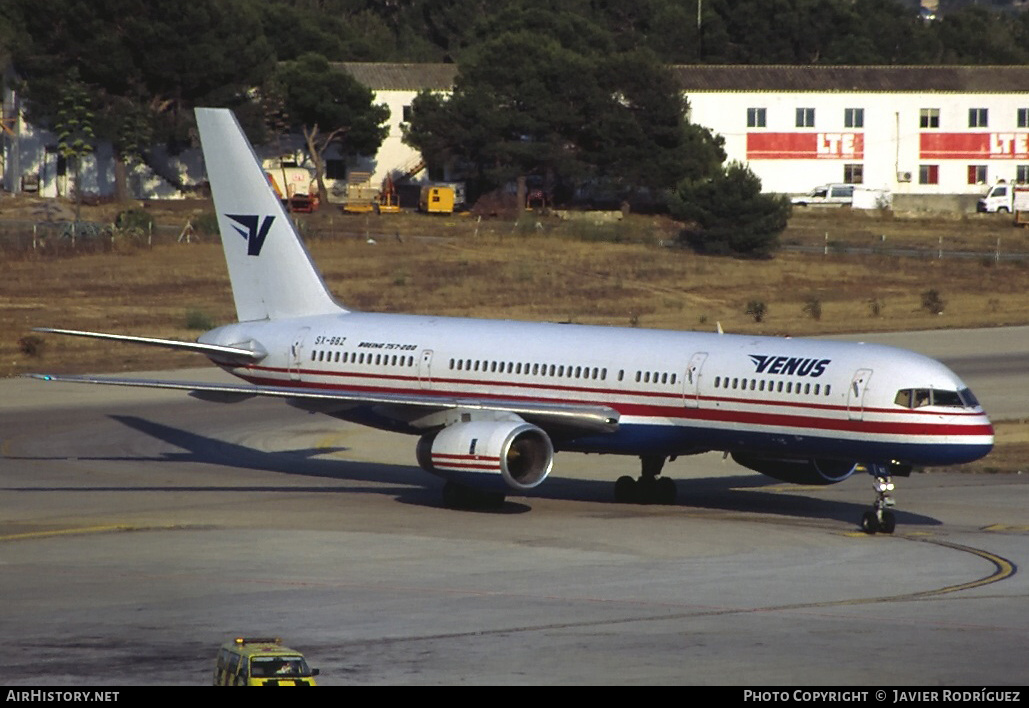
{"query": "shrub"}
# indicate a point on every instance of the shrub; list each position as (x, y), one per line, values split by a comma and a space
(134, 219)
(31, 345)
(757, 309)
(198, 319)
(205, 224)
(728, 214)
(932, 302)
(813, 308)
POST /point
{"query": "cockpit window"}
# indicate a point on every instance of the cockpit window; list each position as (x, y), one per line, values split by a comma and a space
(968, 398)
(919, 397)
(947, 398)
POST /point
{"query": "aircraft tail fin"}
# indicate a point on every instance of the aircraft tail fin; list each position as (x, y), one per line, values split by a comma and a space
(272, 274)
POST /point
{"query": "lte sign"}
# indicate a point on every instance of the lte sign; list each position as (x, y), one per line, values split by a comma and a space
(805, 146)
(980, 146)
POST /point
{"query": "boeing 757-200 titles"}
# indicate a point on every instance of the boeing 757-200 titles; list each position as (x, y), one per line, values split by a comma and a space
(492, 401)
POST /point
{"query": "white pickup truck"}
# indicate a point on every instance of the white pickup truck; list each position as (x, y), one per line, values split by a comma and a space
(1004, 197)
(827, 195)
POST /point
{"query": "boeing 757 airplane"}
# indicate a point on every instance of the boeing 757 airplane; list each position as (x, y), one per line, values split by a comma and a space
(491, 401)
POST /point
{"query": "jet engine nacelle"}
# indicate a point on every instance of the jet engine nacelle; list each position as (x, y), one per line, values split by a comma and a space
(798, 470)
(489, 455)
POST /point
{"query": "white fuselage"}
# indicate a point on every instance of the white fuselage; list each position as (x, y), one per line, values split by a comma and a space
(675, 392)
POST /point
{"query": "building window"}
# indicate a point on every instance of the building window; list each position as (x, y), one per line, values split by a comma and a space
(854, 118)
(1023, 117)
(977, 174)
(756, 117)
(335, 169)
(1022, 174)
(407, 113)
(928, 174)
(854, 174)
(929, 118)
(978, 118)
(805, 117)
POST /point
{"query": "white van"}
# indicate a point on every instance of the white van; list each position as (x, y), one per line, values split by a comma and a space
(828, 195)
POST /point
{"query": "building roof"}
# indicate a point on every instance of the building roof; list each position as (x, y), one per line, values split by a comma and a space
(861, 79)
(385, 76)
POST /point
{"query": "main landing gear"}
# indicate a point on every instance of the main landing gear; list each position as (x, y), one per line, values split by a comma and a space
(880, 518)
(649, 488)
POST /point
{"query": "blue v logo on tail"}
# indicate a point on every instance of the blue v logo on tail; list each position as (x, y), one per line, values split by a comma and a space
(254, 234)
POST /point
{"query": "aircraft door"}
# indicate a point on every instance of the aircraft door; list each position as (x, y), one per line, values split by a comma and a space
(856, 394)
(296, 353)
(425, 369)
(691, 380)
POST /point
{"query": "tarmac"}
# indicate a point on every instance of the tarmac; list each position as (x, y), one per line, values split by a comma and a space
(141, 529)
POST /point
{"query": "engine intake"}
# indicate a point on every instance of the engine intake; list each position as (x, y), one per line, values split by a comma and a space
(798, 471)
(492, 455)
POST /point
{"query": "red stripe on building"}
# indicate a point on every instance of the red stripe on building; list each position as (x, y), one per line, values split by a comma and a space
(805, 146)
(977, 146)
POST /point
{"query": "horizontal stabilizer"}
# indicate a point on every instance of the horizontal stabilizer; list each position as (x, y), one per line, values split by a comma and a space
(230, 354)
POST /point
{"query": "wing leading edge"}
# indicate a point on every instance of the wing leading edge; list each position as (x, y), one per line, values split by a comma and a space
(244, 353)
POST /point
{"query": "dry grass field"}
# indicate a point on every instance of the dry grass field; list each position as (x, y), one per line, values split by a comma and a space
(539, 268)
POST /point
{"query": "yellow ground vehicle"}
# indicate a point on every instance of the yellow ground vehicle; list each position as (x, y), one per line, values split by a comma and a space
(261, 661)
(436, 199)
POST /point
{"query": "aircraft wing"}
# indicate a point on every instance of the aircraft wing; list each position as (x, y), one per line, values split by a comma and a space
(582, 419)
(251, 352)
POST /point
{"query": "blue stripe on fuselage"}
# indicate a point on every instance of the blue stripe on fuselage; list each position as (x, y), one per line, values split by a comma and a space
(669, 440)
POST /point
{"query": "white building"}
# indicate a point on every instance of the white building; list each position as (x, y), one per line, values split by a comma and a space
(396, 85)
(913, 130)
(31, 162)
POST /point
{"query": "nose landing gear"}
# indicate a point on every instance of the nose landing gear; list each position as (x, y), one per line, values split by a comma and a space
(880, 518)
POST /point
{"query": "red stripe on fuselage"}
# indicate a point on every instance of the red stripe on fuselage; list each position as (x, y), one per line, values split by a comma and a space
(677, 411)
